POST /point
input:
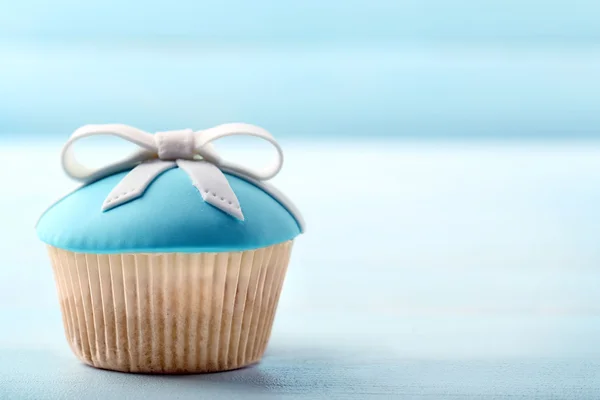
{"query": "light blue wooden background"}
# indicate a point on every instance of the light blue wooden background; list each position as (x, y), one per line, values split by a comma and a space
(359, 68)
(312, 21)
(429, 270)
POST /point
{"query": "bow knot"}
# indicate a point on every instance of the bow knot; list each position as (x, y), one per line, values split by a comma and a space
(191, 151)
(173, 145)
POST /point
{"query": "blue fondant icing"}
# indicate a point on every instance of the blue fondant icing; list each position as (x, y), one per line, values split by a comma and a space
(171, 216)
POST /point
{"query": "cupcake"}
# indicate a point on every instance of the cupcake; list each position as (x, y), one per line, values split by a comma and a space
(172, 259)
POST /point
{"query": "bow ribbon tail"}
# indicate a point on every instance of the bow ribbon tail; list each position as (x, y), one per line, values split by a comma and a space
(213, 186)
(134, 184)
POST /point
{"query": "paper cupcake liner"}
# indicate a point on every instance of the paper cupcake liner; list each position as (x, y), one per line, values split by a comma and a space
(170, 312)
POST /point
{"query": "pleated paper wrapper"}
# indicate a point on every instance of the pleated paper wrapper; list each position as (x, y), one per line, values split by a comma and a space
(170, 312)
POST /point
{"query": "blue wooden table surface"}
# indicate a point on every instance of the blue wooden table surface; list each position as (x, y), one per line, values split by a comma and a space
(428, 270)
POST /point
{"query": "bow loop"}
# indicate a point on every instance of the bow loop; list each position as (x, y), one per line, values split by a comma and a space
(81, 172)
(206, 138)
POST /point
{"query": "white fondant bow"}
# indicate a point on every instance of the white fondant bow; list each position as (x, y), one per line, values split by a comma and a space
(191, 151)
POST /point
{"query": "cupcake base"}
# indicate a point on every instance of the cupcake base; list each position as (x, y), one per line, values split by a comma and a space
(170, 312)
